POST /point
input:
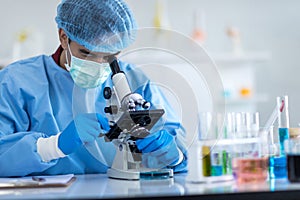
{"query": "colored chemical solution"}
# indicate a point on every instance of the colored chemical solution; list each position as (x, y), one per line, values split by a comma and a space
(293, 166)
(216, 164)
(216, 170)
(278, 168)
(206, 161)
(283, 135)
(226, 162)
(251, 169)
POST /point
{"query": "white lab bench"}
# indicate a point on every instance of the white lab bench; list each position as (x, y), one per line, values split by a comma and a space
(99, 186)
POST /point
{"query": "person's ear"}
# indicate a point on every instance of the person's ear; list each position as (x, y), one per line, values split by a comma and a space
(63, 38)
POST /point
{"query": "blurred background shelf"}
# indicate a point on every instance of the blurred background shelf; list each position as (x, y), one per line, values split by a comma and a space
(258, 98)
(239, 76)
(231, 59)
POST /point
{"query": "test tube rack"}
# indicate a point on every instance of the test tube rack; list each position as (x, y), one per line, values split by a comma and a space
(196, 172)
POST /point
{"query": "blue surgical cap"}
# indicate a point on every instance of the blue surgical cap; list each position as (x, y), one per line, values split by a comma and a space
(99, 25)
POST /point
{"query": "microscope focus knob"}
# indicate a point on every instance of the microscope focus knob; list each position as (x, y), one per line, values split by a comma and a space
(107, 93)
(111, 109)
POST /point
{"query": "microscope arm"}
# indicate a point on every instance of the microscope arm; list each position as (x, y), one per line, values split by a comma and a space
(128, 100)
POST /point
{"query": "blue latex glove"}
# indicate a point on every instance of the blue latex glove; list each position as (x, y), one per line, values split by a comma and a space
(159, 150)
(83, 129)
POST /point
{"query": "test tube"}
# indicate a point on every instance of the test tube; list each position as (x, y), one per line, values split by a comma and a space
(216, 161)
(277, 161)
(254, 124)
(226, 160)
(247, 124)
(205, 126)
(229, 127)
(206, 161)
(233, 118)
(205, 120)
(238, 125)
(283, 121)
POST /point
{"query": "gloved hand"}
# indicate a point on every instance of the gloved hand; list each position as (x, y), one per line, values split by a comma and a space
(159, 150)
(83, 129)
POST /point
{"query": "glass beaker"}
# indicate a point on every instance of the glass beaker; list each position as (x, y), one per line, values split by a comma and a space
(251, 160)
(277, 162)
(292, 149)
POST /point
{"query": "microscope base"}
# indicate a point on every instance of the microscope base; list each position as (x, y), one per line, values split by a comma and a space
(137, 175)
(157, 174)
(124, 175)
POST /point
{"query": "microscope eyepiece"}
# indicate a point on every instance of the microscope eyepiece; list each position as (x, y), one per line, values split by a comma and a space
(114, 66)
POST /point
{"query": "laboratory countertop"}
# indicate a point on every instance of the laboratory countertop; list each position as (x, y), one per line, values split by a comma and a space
(99, 186)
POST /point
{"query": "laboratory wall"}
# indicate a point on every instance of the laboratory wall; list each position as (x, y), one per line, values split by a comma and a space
(269, 37)
(27, 28)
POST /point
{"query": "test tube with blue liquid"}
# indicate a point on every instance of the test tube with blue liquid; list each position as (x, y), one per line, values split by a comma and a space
(278, 165)
(216, 161)
(283, 121)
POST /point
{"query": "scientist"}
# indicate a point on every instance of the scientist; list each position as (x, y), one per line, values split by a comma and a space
(39, 134)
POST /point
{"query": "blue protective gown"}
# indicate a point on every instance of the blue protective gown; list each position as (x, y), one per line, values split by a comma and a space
(36, 101)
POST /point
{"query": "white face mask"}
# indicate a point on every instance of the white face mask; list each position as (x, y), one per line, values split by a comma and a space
(87, 74)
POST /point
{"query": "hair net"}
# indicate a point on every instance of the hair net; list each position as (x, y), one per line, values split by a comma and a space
(99, 25)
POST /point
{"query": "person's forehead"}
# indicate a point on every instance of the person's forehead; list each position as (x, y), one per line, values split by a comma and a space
(80, 47)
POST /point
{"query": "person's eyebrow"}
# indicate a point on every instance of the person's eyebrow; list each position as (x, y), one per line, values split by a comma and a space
(84, 51)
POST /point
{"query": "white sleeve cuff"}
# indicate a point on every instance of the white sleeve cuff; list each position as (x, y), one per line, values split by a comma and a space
(180, 158)
(48, 149)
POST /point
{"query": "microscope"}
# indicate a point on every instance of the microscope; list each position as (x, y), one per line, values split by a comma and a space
(130, 119)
